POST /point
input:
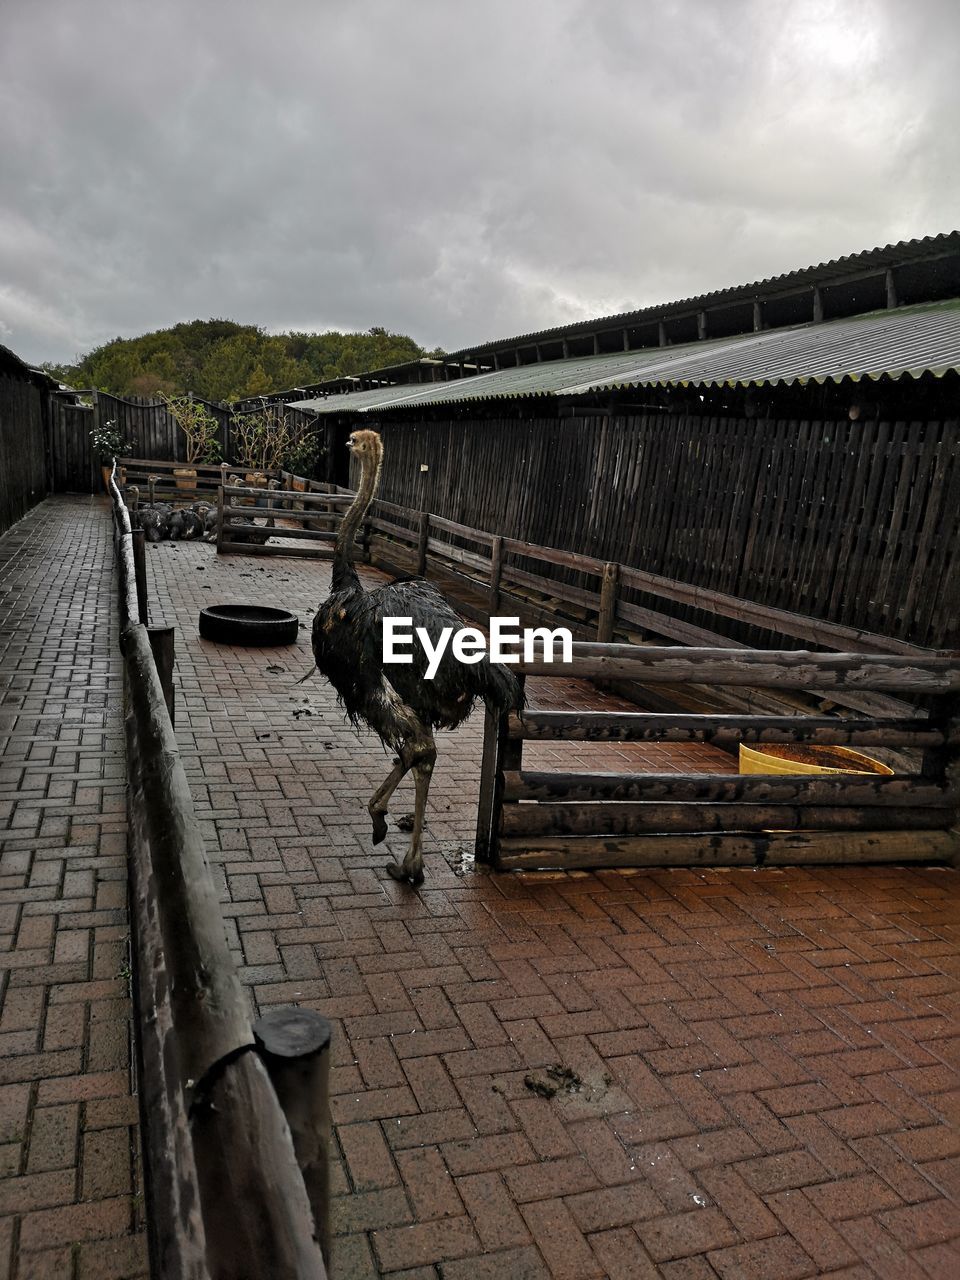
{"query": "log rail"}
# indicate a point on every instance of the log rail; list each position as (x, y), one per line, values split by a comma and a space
(583, 819)
(230, 1192)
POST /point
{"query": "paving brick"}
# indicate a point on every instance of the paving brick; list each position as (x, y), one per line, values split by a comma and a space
(622, 1256)
(494, 1214)
(781, 1172)
(95, 1220)
(746, 1211)
(613, 1207)
(851, 1197)
(367, 1155)
(812, 1232)
(479, 1155)
(915, 1225)
(566, 1251)
(760, 1259)
(426, 1242)
(509, 1264)
(430, 1189)
(683, 1234)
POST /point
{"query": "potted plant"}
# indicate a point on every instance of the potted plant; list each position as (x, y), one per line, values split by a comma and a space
(108, 444)
(201, 431)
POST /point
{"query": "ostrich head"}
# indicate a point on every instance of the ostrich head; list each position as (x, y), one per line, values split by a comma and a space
(367, 446)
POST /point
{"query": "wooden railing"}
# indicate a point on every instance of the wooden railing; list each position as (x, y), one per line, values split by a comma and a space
(157, 481)
(310, 519)
(233, 1139)
(582, 819)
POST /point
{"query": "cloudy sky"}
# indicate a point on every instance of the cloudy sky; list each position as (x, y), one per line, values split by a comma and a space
(456, 171)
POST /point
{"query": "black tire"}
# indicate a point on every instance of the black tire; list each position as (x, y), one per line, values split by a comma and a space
(248, 624)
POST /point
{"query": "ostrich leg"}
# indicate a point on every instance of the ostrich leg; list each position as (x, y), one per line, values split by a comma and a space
(380, 799)
(412, 868)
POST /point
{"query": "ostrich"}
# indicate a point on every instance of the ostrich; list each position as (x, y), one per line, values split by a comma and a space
(396, 701)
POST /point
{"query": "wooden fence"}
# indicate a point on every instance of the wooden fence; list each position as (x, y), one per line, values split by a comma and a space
(854, 522)
(152, 434)
(879, 689)
(309, 518)
(581, 819)
(24, 478)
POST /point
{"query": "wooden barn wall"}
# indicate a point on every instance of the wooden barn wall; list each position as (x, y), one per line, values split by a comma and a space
(23, 466)
(855, 522)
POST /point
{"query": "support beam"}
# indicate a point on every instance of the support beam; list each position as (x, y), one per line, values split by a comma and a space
(891, 286)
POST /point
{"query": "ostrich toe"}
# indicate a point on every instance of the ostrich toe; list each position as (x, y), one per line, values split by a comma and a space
(396, 872)
(379, 826)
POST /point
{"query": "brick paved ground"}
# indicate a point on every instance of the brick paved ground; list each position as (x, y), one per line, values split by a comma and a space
(766, 1086)
(69, 1196)
(765, 1080)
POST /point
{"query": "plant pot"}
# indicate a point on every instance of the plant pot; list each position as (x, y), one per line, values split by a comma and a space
(185, 477)
(253, 480)
(106, 471)
(787, 758)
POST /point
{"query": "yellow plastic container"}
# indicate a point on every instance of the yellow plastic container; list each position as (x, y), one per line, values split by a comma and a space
(787, 758)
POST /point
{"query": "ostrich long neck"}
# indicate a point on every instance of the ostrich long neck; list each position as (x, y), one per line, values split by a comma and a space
(344, 574)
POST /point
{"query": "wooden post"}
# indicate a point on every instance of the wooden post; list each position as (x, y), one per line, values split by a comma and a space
(757, 316)
(496, 573)
(162, 645)
(608, 602)
(294, 1045)
(817, 305)
(701, 325)
(140, 573)
(490, 770)
(891, 286)
(220, 538)
(662, 339)
(151, 482)
(423, 535)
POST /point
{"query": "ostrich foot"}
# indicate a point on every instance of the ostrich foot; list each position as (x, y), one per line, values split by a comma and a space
(402, 876)
(379, 826)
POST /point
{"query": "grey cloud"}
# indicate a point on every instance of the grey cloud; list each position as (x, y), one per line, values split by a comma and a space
(453, 171)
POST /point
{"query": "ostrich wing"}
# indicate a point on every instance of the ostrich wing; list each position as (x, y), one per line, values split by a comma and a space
(348, 645)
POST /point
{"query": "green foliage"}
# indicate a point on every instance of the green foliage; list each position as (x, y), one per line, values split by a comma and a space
(108, 441)
(221, 360)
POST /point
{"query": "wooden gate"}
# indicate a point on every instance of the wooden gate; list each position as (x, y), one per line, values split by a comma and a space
(73, 466)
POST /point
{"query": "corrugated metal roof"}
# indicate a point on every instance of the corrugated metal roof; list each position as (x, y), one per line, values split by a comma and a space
(906, 342)
(890, 255)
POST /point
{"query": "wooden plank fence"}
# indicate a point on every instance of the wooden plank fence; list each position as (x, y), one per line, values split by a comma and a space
(24, 476)
(582, 819)
(855, 522)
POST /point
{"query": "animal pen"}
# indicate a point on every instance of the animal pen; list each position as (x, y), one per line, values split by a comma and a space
(855, 689)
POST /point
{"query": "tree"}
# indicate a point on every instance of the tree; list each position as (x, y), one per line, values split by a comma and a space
(222, 360)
